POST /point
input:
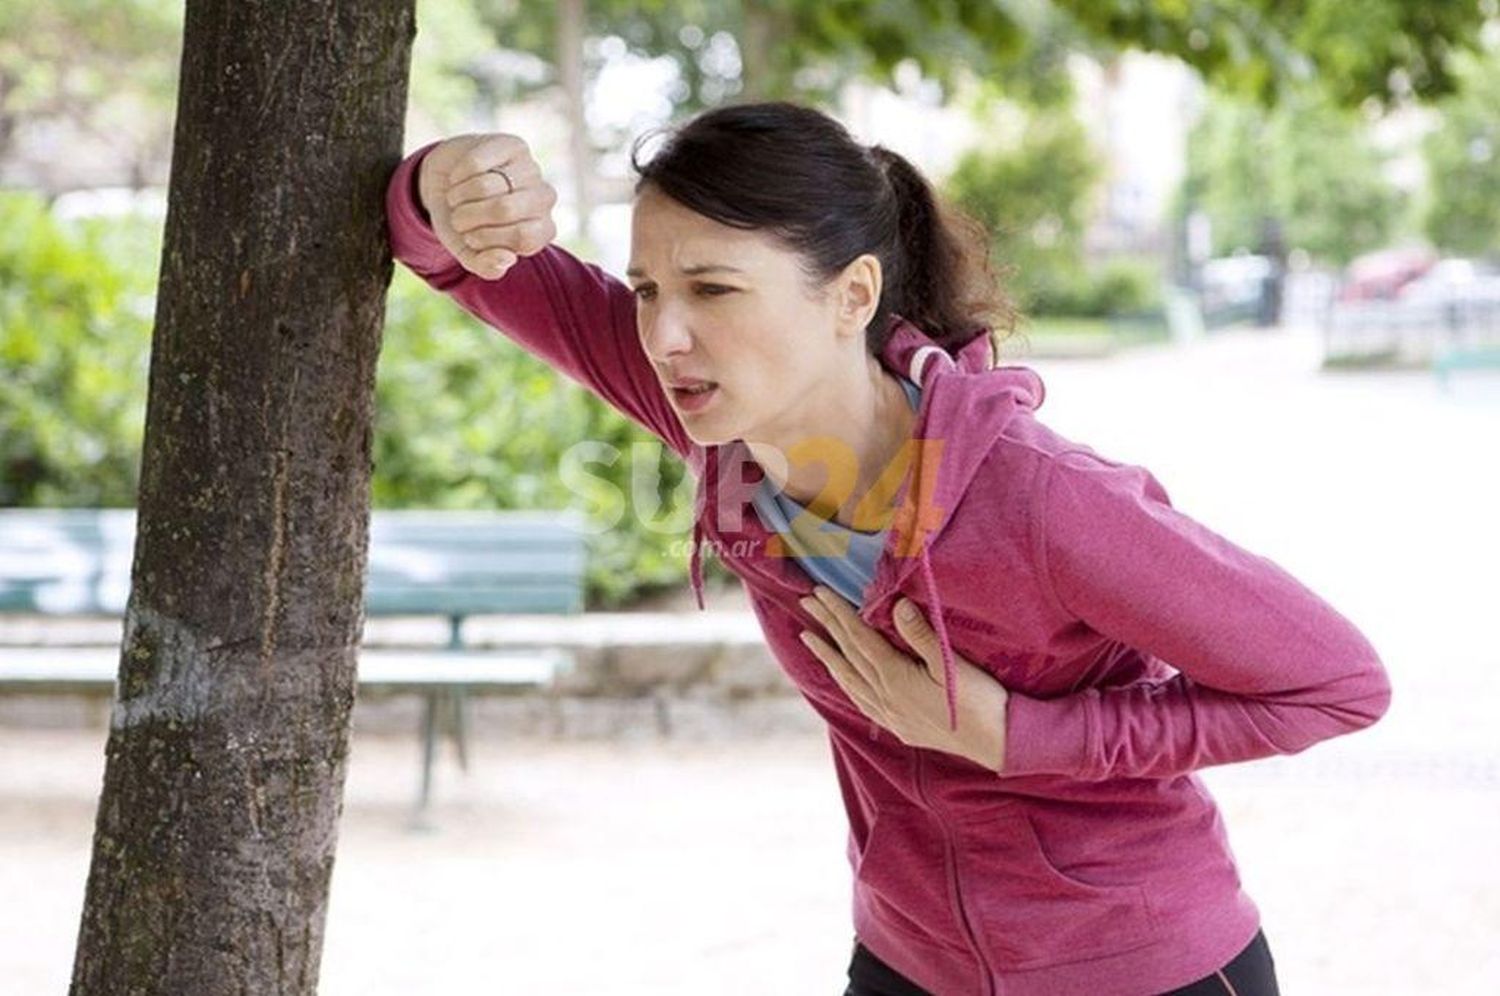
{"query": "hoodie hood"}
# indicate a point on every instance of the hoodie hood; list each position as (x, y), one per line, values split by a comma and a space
(966, 404)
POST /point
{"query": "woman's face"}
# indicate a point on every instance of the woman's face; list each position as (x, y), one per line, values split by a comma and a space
(730, 307)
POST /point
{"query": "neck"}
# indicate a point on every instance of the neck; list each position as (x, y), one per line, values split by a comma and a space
(843, 450)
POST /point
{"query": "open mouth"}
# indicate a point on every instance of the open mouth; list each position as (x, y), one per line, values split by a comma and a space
(694, 399)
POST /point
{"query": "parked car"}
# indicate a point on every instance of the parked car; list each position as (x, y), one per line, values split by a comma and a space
(1382, 274)
(1238, 289)
(1455, 281)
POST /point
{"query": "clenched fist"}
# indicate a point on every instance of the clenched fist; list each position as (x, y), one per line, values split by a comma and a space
(484, 222)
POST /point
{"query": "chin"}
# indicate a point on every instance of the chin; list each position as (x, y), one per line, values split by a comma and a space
(707, 435)
(711, 427)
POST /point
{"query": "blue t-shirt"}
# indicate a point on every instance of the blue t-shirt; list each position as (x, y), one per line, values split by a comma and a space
(834, 555)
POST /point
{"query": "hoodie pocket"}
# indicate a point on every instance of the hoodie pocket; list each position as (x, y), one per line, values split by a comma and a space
(900, 880)
(1030, 911)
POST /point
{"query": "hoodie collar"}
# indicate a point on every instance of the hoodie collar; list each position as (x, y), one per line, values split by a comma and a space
(967, 401)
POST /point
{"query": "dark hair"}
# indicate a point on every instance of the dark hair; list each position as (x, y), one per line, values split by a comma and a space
(798, 174)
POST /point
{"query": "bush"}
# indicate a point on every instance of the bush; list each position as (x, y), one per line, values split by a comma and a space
(76, 304)
(1031, 190)
(1119, 286)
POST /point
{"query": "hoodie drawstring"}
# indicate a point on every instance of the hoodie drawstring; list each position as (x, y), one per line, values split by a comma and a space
(950, 667)
(934, 603)
(695, 564)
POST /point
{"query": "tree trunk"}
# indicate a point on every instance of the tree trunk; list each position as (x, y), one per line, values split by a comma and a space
(756, 38)
(571, 16)
(214, 838)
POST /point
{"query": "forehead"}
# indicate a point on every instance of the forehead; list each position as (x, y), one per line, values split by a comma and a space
(665, 233)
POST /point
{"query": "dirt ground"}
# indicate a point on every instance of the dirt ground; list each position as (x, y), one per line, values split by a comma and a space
(670, 869)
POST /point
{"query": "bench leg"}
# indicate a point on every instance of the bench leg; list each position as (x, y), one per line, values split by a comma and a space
(663, 714)
(444, 713)
(459, 703)
(429, 744)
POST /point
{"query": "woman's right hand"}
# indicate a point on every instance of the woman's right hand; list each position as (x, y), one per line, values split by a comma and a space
(486, 225)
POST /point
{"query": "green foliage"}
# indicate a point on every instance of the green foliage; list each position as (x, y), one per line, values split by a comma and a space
(465, 418)
(1227, 174)
(1462, 213)
(1353, 50)
(75, 318)
(1328, 179)
(1030, 186)
(810, 47)
(450, 36)
(60, 57)
(1306, 164)
(1117, 286)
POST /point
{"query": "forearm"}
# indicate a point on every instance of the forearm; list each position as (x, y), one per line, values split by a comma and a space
(1168, 728)
(1263, 665)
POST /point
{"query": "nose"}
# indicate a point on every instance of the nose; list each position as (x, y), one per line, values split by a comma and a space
(664, 334)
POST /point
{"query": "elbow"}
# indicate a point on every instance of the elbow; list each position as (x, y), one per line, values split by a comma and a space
(1363, 694)
(1373, 698)
(1348, 704)
(1380, 699)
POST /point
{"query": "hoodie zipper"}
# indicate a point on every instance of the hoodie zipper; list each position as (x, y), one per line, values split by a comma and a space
(882, 593)
(950, 866)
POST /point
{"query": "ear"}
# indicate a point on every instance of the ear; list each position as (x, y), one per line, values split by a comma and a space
(858, 294)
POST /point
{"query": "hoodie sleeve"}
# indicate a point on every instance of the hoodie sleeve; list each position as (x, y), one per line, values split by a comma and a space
(570, 314)
(1264, 665)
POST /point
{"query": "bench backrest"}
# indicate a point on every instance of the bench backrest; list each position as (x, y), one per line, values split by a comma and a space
(56, 561)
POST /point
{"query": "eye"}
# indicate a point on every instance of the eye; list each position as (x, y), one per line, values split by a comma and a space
(714, 290)
(644, 293)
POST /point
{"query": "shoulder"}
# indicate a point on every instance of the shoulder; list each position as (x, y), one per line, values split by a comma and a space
(1032, 472)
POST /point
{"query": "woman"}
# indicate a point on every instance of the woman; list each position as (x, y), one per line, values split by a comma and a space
(809, 327)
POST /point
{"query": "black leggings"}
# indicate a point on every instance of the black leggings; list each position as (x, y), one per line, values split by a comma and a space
(1252, 972)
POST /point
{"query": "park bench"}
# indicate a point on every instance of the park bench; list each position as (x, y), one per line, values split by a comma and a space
(76, 562)
(1454, 358)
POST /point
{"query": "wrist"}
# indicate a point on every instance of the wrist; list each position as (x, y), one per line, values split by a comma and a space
(987, 723)
(416, 190)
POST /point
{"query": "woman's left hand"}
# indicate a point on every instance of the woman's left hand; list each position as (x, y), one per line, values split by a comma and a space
(903, 695)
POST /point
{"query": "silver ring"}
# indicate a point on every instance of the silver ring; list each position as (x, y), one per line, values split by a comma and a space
(510, 187)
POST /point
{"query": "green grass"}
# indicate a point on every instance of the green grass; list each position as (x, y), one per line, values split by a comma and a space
(1061, 325)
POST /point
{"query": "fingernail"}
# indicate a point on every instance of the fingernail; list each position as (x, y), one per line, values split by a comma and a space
(808, 603)
(907, 610)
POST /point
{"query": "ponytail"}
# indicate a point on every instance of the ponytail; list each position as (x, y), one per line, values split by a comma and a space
(938, 269)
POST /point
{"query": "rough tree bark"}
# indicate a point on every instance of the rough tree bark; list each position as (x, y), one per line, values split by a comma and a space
(571, 18)
(215, 833)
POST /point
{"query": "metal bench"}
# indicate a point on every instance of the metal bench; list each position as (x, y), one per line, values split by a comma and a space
(76, 562)
(1454, 358)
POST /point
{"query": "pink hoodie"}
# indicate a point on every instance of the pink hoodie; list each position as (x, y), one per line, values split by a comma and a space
(1096, 863)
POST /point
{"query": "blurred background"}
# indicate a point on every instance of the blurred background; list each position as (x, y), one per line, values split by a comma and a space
(1257, 247)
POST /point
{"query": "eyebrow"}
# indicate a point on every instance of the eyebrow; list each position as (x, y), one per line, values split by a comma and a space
(691, 271)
